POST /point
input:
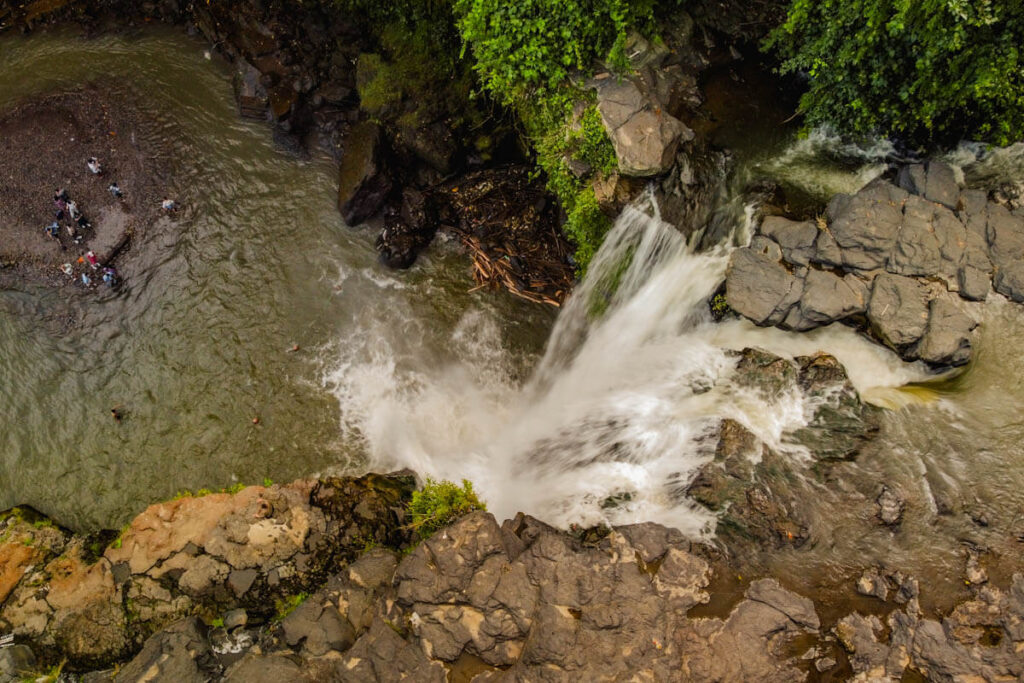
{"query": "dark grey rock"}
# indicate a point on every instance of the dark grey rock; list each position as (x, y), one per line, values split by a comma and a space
(897, 310)
(16, 663)
(258, 668)
(178, 653)
(941, 186)
(317, 628)
(827, 297)
(235, 618)
(873, 584)
(374, 568)
(767, 247)
(913, 179)
(363, 183)
(796, 239)
(916, 250)
(947, 339)
(1005, 235)
(866, 225)
(826, 251)
(382, 655)
(757, 287)
(1009, 281)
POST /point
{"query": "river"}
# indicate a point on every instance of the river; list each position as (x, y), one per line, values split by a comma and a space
(410, 369)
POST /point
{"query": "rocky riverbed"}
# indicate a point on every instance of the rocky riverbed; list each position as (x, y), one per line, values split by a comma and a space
(322, 580)
(897, 260)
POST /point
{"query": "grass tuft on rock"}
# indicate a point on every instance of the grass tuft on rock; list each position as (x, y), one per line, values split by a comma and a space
(440, 503)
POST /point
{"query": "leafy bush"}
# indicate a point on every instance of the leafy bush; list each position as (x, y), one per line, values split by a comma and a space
(440, 503)
(533, 45)
(926, 70)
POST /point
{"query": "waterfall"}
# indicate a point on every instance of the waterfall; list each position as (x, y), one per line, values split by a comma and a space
(623, 408)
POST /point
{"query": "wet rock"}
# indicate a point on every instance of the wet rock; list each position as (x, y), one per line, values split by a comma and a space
(898, 311)
(890, 507)
(797, 608)
(236, 618)
(841, 423)
(947, 338)
(408, 232)
(858, 635)
(178, 653)
(363, 182)
(249, 91)
(873, 584)
(645, 137)
(759, 288)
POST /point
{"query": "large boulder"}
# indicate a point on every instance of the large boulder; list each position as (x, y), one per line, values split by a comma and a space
(866, 225)
(796, 239)
(827, 298)
(363, 181)
(644, 136)
(180, 652)
(947, 339)
(898, 311)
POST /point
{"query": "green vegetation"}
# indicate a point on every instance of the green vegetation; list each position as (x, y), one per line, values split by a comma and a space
(527, 54)
(440, 503)
(287, 605)
(926, 71)
(719, 306)
(217, 623)
(530, 47)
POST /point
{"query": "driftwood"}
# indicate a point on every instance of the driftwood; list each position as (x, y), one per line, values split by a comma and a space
(547, 281)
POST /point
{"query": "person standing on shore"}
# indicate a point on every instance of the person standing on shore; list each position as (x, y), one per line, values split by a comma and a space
(94, 166)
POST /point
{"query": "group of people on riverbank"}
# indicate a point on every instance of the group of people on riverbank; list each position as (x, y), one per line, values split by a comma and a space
(70, 225)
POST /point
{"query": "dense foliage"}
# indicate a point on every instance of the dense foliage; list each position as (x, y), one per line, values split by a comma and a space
(920, 70)
(532, 46)
(440, 503)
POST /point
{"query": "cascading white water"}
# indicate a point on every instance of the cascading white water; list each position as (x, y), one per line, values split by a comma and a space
(620, 412)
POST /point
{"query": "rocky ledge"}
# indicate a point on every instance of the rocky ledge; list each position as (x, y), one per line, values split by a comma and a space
(895, 260)
(323, 581)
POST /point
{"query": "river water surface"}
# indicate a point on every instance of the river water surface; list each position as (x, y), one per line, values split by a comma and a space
(410, 369)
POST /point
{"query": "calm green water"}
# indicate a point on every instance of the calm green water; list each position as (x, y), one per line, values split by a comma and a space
(194, 346)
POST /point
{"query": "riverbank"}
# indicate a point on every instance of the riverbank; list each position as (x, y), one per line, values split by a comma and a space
(46, 142)
(325, 580)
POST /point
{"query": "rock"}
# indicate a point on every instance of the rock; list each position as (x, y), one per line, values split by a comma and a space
(947, 339)
(645, 137)
(798, 240)
(897, 310)
(827, 297)
(256, 668)
(363, 182)
(759, 288)
(841, 423)
(916, 249)
(826, 250)
(374, 569)
(16, 663)
(1009, 281)
(249, 91)
(178, 653)
(241, 580)
(317, 628)
(408, 232)
(236, 618)
(865, 226)
(797, 608)
(940, 185)
(872, 583)
(913, 178)
(1005, 236)
(890, 507)
(767, 247)
(975, 272)
(383, 655)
